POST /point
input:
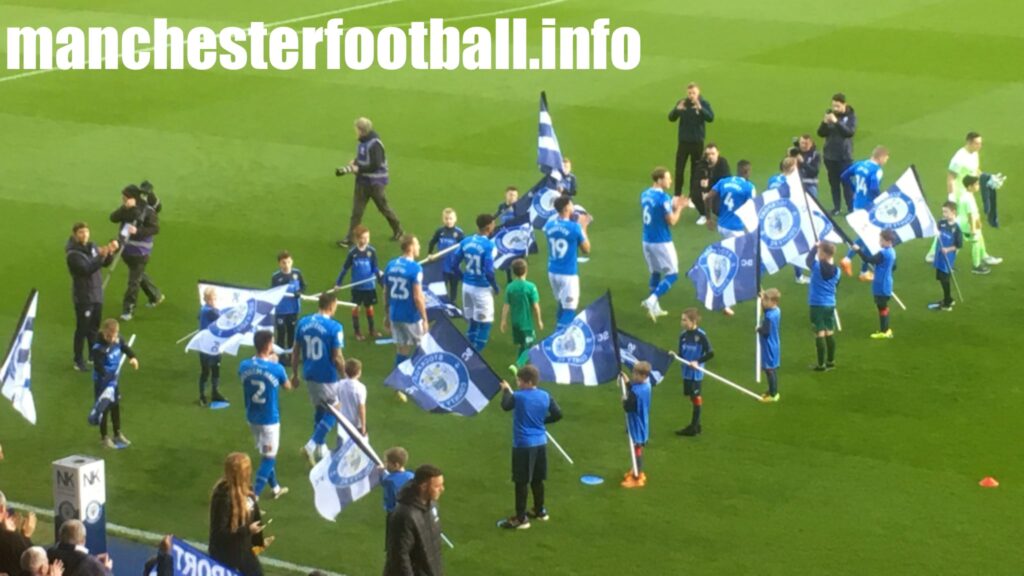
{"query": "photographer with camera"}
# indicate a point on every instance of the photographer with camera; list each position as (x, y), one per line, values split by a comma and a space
(692, 113)
(139, 224)
(711, 168)
(85, 260)
(371, 169)
(808, 162)
(838, 128)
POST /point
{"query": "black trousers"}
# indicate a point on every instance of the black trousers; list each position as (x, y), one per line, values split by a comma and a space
(284, 334)
(840, 190)
(364, 193)
(87, 324)
(137, 278)
(690, 152)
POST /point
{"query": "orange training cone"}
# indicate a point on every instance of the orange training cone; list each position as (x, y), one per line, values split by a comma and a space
(988, 482)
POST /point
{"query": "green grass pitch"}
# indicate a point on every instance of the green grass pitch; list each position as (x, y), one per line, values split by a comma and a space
(872, 468)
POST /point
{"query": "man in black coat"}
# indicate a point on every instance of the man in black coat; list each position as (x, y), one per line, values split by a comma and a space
(692, 113)
(414, 530)
(70, 549)
(838, 128)
(371, 169)
(712, 168)
(14, 538)
(85, 260)
(139, 224)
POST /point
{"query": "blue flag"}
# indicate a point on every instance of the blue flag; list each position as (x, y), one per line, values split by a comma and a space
(513, 240)
(238, 322)
(726, 272)
(190, 561)
(582, 352)
(351, 471)
(549, 155)
(901, 208)
(633, 350)
(789, 224)
(445, 374)
(17, 367)
(435, 291)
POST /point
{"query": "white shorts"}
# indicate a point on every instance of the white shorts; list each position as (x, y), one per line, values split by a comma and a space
(267, 437)
(407, 333)
(661, 257)
(566, 289)
(728, 233)
(478, 303)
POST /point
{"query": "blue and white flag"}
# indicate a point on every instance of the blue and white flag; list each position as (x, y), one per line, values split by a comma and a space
(901, 208)
(445, 374)
(726, 272)
(513, 240)
(229, 295)
(538, 204)
(786, 215)
(17, 366)
(582, 352)
(238, 322)
(351, 471)
(435, 292)
(549, 155)
(633, 350)
(190, 561)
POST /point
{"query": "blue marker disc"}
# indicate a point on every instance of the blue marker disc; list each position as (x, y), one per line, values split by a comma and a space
(591, 479)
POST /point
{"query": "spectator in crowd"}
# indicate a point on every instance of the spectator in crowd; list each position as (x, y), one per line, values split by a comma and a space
(235, 526)
(71, 551)
(712, 168)
(35, 563)
(838, 128)
(808, 163)
(414, 533)
(15, 534)
(371, 169)
(692, 113)
(139, 224)
(85, 260)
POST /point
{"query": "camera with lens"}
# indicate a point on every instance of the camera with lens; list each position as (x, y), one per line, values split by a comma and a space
(347, 169)
(794, 150)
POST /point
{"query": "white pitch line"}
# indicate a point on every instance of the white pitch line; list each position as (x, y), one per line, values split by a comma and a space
(480, 15)
(153, 537)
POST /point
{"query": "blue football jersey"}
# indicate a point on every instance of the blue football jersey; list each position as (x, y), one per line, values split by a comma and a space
(776, 181)
(363, 264)
(564, 238)
(882, 284)
(733, 192)
(207, 315)
(400, 276)
(319, 336)
(694, 345)
(261, 383)
(477, 252)
(296, 285)
(655, 204)
(638, 420)
(822, 290)
(865, 178)
(950, 236)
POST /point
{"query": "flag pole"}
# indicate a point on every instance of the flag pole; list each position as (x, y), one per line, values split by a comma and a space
(354, 434)
(757, 308)
(951, 273)
(730, 383)
(559, 446)
(131, 341)
(187, 336)
(898, 301)
(426, 260)
(629, 436)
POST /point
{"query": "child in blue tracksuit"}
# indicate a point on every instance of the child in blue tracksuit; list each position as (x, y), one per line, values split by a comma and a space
(106, 357)
(445, 237)
(637, 404)
(209, 364)
(771, 345)
(694, 350)
(394, 477)
(881, 285)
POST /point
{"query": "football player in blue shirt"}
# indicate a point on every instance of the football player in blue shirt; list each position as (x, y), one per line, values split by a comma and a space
(362, 261)
(865, 179)
(287, 312)
(445, 237)
(106, 357)
(565, 237)
(881, 285)
(659, 213)
(733, 192)
(771, 346)
(637, 404)
(319, 340)
(533, 410)
(209, 364)
(821, 297)
(694, 350)
(403, 296)
(479, 286)
(262, 379)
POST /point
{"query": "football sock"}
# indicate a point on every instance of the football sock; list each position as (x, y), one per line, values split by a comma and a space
(471, 332)
(483, 333)
(355, 320)
(883, 319)
(665, 284)
(565, 317)
(537, 486)
(947, 296)
(830, 344)
(819, 344)
(272, 477)
(369, 319)
(697, 403)
(322, 428)
(639, 451)
(773, 381)
(263, 474)
(522, 490)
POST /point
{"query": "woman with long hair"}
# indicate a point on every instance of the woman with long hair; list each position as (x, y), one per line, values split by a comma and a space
(235, 526)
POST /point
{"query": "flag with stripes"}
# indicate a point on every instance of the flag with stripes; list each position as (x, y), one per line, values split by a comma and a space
(229, 295)
(17, 366)
(549, 155)
(445, 374)
(633, 350)
(726, 272)
(584, 351)
(787, 215)
(901, 208)
(514, 240)
(351, 471)
(238, 322)
(439, 303)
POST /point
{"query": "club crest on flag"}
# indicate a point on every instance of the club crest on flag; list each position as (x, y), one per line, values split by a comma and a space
(720, 265)
(234, 320)
(822, 224)
(893, 211)
(349, 465)
(780, 223)
(444, 376)
(574, 345)
(543, 204)
(515, 240)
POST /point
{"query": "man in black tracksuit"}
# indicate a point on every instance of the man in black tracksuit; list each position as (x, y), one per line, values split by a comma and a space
(139, 224)
(371, 169)
(711, 168)
(838, 128)
(84, 260)
(414, 529)
(692, 113)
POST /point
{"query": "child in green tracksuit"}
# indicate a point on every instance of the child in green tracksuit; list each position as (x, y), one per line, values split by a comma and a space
(522, 303)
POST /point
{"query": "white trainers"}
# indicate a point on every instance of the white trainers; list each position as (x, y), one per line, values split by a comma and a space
(803, 280)
(929, 257)
(646, 304)
(992, 260)
(658, 311)
(279, 491)
(702, 220)
(309, 454)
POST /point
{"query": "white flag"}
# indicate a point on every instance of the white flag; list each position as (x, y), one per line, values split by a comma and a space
(17, 367)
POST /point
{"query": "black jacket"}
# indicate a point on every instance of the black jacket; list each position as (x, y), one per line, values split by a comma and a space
(147, 225)
(233, 548)
(76, 562)
(84, 263)
(713, 173)
(839, 136)
(414, 538)
(810, 165)
(12, 545)
(691, 122)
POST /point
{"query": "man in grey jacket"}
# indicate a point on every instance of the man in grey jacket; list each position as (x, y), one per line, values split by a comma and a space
(414, 530)
(838, 128)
